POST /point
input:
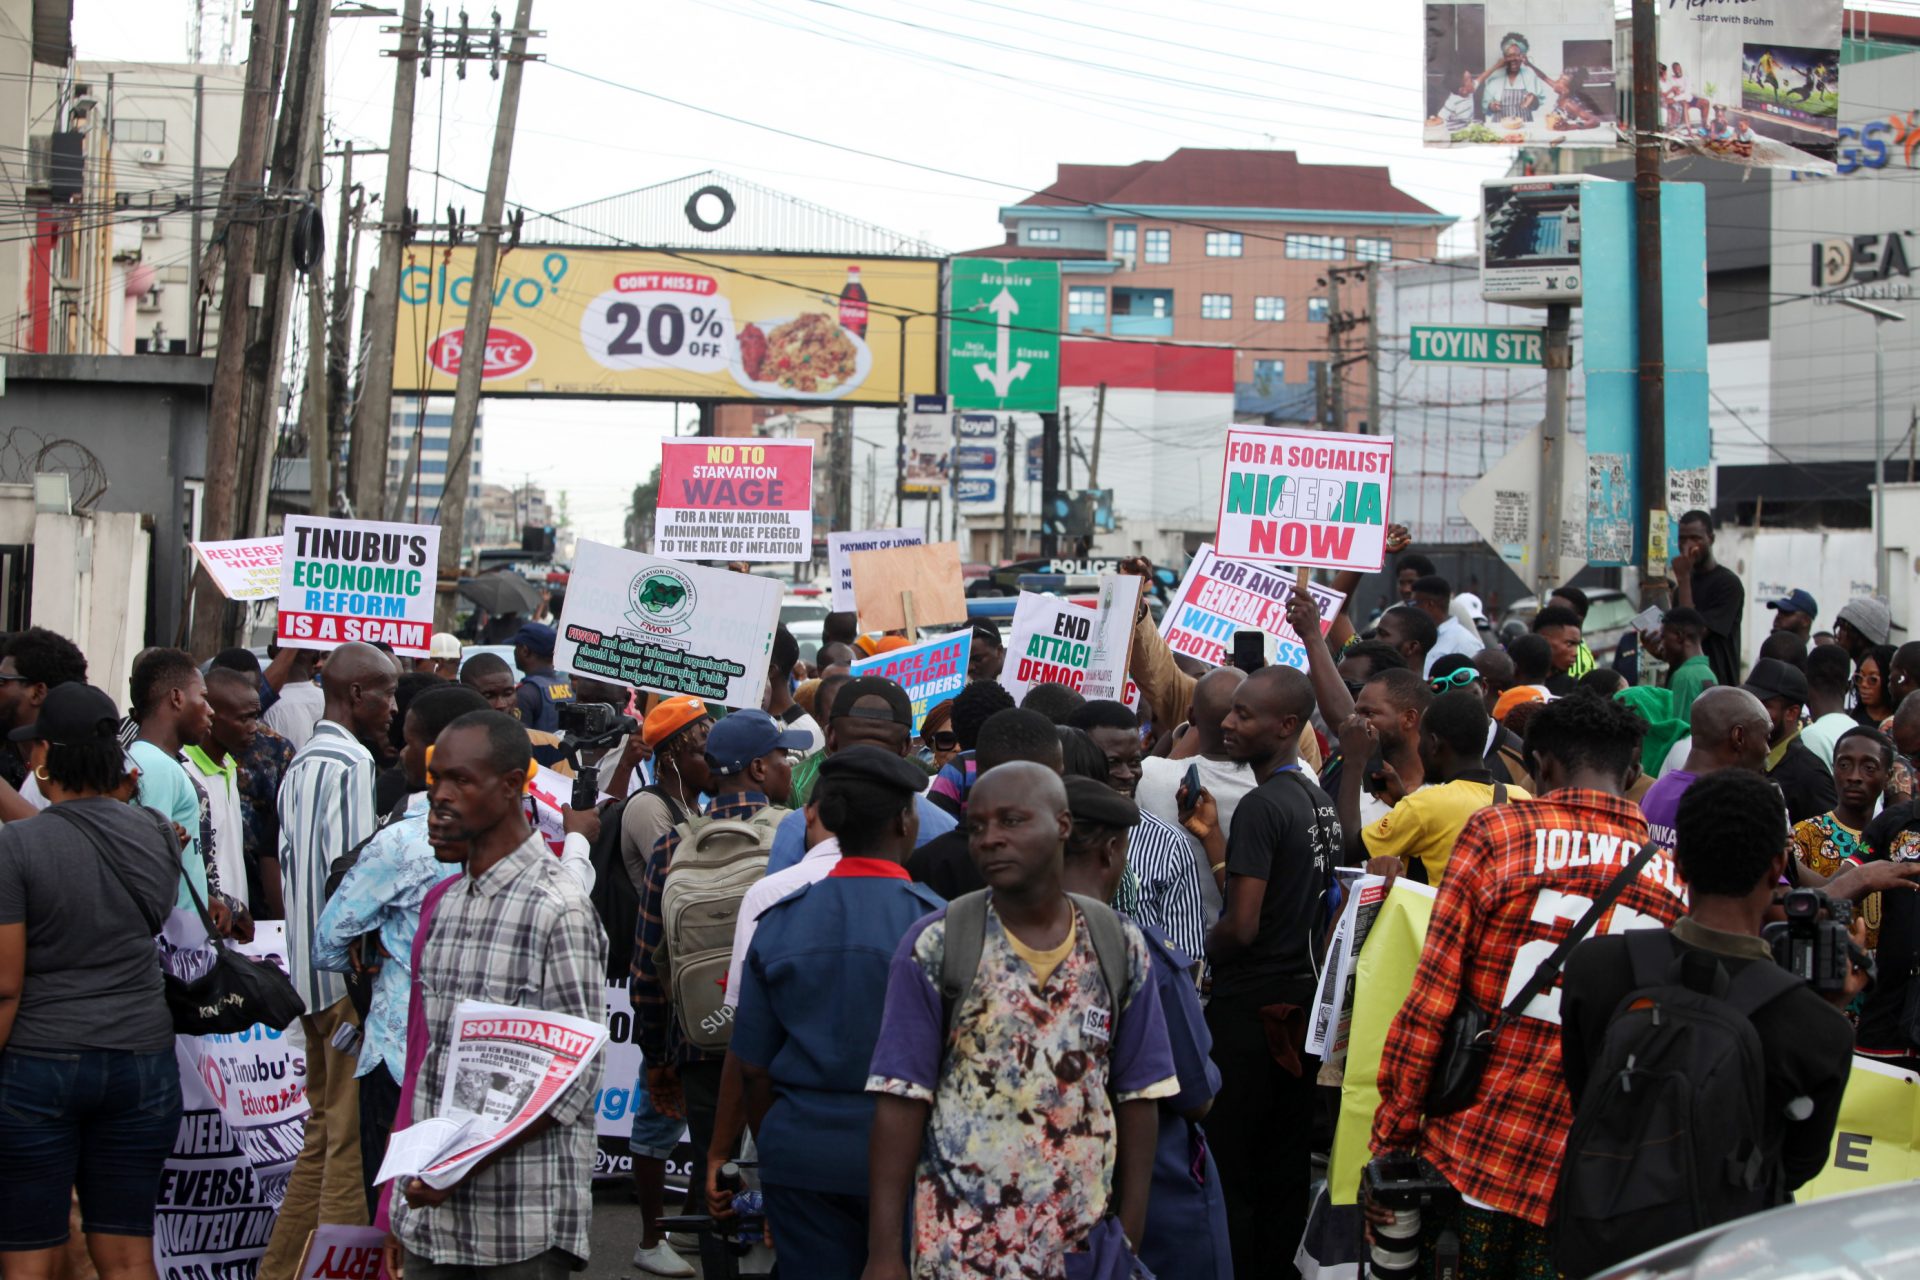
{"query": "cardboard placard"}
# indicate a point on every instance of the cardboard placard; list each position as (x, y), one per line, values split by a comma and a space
(930, 572)
(1219, 597)
(840, 550)
(735, 500)
(335, 1252)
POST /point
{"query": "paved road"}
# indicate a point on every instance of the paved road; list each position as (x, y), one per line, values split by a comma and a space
(616, 1232)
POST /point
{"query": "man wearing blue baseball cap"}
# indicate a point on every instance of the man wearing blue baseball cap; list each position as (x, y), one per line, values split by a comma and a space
(542, 690)
(751, 779)
(1795, 612)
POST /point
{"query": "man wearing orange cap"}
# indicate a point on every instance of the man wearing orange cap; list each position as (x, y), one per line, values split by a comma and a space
(676, 729)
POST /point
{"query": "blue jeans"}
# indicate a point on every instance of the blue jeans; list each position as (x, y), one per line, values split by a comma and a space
(654, 1135)
(100, 1121)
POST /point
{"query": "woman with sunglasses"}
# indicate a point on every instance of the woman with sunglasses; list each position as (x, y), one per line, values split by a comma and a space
(1873, 704)
(939, 744)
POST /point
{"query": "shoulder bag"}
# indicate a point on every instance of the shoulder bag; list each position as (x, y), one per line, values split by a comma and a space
(1467, 1045)
(237, 992)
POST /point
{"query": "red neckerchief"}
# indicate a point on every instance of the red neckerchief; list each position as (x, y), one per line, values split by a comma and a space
(872, 868)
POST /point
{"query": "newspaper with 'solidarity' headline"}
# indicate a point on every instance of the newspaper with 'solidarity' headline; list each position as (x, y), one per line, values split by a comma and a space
(505, 1069)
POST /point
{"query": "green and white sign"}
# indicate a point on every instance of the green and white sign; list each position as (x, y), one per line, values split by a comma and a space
(1478, 344)
(1003, 337)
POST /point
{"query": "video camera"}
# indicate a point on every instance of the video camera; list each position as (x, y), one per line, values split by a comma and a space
(1406, 1184)
(736, 1233)
(1813, 942)
(590, 724)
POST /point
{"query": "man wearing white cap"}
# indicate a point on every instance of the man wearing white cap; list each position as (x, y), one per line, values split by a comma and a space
(443, 656)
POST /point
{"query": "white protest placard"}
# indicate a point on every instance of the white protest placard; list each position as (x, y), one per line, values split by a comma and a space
(655, 624)
(335, 1252)
(244, 1113)
(244, 568)
(726, 499)
(1112, 638)
(840, 549)
(344, 580)
(1219, 597)
(1313, 498)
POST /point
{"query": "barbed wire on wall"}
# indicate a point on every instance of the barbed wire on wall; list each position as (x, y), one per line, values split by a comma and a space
(25, 453)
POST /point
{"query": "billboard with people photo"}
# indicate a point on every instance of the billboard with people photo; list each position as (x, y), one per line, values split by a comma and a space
(1520, 71)
(1772, 102)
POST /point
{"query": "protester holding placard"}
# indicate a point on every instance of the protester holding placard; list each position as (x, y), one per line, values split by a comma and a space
(524, 934)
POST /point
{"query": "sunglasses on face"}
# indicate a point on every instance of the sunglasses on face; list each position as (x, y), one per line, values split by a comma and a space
(946, 742)
(1458, 680)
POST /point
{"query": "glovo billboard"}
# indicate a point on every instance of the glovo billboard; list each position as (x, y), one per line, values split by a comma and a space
(784, 328)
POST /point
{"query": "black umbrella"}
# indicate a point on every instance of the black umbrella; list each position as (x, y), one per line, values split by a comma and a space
(501, 592)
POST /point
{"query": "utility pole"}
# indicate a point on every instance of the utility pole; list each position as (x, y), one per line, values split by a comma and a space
(473, 345)
(195, 247)
(1066, 450)
(1557, 356)
(238, 236)
(296, 140)
(1336, 380)
(346, 268)
(372, 418)
(1050, 503)
(1099, 424)
(1006, 529)
(316, 408)
(840, 462)
(1653, 343)
(1373, 349)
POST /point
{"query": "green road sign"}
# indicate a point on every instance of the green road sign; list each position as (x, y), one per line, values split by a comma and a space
(1003, 335)
(1478, 344)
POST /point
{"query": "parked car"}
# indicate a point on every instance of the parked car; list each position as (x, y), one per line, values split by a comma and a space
(804, 613)
(1860, 1234)
(1609, 610)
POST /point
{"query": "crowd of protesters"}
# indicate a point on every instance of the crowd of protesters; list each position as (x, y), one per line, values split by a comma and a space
(1012, 991)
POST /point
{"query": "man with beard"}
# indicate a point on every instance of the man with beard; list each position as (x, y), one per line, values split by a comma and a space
(35, 661)
(170, 706)
(1280, 857)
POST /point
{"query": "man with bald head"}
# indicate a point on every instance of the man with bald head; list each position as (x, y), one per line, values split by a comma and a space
(1280, 857)
(1223, 780)
(326, 808)
(1057, 1140)
(1730, 731)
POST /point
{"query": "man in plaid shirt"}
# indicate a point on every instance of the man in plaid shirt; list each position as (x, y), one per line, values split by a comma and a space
(1519, 878)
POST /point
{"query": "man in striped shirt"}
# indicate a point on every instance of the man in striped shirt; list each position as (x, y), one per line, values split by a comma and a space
(326, 808)
(1159, 853)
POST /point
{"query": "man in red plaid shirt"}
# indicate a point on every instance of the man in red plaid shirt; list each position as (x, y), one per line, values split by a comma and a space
(1519, 878)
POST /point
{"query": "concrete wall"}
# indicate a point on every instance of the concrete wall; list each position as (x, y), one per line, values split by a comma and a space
(144, 418)
(90, 584)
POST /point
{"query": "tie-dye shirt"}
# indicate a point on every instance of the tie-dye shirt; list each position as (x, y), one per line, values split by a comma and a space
(1017, 1163)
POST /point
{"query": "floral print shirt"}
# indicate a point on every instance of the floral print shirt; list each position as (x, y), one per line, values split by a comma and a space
(1824, 844)
(1017, 1163)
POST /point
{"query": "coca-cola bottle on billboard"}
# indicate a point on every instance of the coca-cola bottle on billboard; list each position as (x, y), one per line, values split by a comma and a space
(853, 305)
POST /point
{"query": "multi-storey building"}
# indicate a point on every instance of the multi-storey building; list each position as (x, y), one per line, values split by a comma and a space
(420, 480)
(1248, 249)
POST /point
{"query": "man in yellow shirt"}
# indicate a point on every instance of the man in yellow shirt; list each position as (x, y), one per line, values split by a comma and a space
(1417, 836)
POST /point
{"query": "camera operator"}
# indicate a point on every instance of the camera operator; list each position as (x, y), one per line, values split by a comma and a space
(615, 758)
(1520, 876)
(1729, 843)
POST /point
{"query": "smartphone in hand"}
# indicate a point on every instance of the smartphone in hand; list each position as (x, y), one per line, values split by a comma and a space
(1189, 788)
(1249, 650)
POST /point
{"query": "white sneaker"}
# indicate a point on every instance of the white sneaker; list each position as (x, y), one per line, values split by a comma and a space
(661, 1260)
(685, 1241)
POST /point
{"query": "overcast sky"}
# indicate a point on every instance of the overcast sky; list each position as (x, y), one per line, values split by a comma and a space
(997, 91)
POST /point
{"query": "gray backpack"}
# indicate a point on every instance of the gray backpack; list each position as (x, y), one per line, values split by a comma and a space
(967, 935)
(713, 866)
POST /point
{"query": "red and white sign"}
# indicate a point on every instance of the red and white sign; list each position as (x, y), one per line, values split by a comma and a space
(367, 580)
(735, 499)
(507, 353)
(1314, 498)
(244, 569)
(1219, 597)
(335, 1252)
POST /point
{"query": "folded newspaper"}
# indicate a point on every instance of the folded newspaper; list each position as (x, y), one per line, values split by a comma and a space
(505, 1068)
(1332, 1020)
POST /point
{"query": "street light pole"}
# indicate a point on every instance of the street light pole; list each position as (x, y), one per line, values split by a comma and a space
(1882, 316)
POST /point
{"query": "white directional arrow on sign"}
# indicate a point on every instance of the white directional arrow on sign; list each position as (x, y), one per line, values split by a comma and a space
(1000, 375)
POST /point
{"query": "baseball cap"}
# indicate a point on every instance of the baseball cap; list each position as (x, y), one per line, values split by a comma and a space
(745, 736)
(869, 763)
(1772, 678)
(1869, 616)
(899, 708)
(1796, 601)
(444, 645)
(670, 717)
(1475, 610)
(987, 629)
(537, 636)
(73, 715)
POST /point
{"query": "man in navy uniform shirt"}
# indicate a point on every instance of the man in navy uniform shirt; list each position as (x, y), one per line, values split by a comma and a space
(812, 991)
(1186, 1235)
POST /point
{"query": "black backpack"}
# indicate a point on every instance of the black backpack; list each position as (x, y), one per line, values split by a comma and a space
(615, 896)
(1671, 1134)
